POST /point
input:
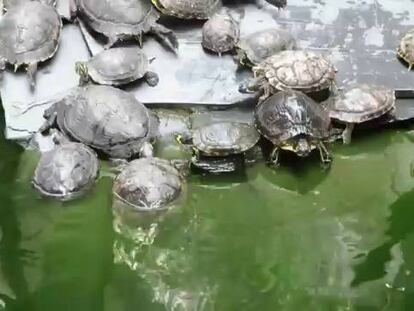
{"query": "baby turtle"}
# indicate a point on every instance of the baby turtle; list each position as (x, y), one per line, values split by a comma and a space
(188, 9)
(220, 33)
(105, 118)
(119, 20)
(295, 122)
(67, 171)
(148, 184)
(256, 47)
(406, 49)
(303, 71)
(29, 34)
(360, 104)
(117, 66)
(221, 139)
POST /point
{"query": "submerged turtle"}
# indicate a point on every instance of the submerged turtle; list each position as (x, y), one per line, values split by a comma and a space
(221, 139)
(120, 19)
(8, 4)
(220, 33)
(67, 171)
(29, 34)
(148, 184)
(406, 49)
(295, 122)
(303, 71)
(256, 47)
(117, 66)
(105, 118)
(360, 104)
(188, 9)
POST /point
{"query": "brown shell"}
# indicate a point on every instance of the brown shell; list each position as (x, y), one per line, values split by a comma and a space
(406, 48)
(362, 103)
(298, 70)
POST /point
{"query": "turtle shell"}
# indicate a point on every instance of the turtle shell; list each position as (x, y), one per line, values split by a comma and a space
(188, 9)
(225, 138)
(406, 48)
(29, 33)
(8, 4)
(297, 70)
(220, 33)
(105, 118)
(362, 103)
(118, 66)
(262, 44)
(148, 184)
(286, 115)
(66, 171)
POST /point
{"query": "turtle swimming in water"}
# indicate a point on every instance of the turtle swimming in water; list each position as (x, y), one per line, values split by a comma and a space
(109, 120)
(360, 104)
(188, 9)
(293, 121)
(29, 34)
(117, 66)
(66, 172)
(297, 70)
(148, 184)
(120, 20)
(220, 33)
(406, 49)
(256, 47)
(220, 139)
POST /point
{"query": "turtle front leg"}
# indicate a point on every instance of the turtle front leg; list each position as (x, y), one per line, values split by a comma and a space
(347, 133)
(326, 158)
(50, 115)
(112, 39)
(274, 156)
(31, 74)
(251, 86)
(151, 78)
(166, 35)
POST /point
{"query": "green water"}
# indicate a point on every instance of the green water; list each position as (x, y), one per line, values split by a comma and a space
(292, 239)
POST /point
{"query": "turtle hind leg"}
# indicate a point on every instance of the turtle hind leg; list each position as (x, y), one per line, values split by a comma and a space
(151, 78)
(274, 156)
(31, 74)
(347, 133)
(112, 39)
(326, 158)
(166, 35)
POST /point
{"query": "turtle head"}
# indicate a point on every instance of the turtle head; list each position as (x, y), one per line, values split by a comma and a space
(302, 147)
(81, 69)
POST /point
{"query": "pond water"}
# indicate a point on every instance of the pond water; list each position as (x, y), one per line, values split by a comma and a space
(286, 239)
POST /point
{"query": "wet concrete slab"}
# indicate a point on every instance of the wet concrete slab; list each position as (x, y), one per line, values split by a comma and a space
(359, 36)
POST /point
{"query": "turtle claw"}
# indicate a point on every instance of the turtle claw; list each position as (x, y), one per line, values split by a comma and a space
(31, 72)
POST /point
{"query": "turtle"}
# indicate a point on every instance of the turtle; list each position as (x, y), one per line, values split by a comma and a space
(292, 121)
(256, 47)
(148, 184)
(360, 104)
(405, 50)
(110, 120)
(280, 4)
(298, 70)
(220, 33)
(188, 9)
(117, 66)
(29, 34)
(218, 140)
(122, 19)
(66, 171)
(7, 4)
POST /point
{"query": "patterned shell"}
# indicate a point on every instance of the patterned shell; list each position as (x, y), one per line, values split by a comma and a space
(406, 48)
(297, 70)
(188, 9)
(362, 103)
(288, 114)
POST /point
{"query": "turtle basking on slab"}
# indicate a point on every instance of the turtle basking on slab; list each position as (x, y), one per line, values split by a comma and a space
(29, 34)
(405, 50)
(67, 171)
(293, 121)
(297, 70)
(120, 20)
(188, 9)
(117, 66)
(105, 118)
(360, 104)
